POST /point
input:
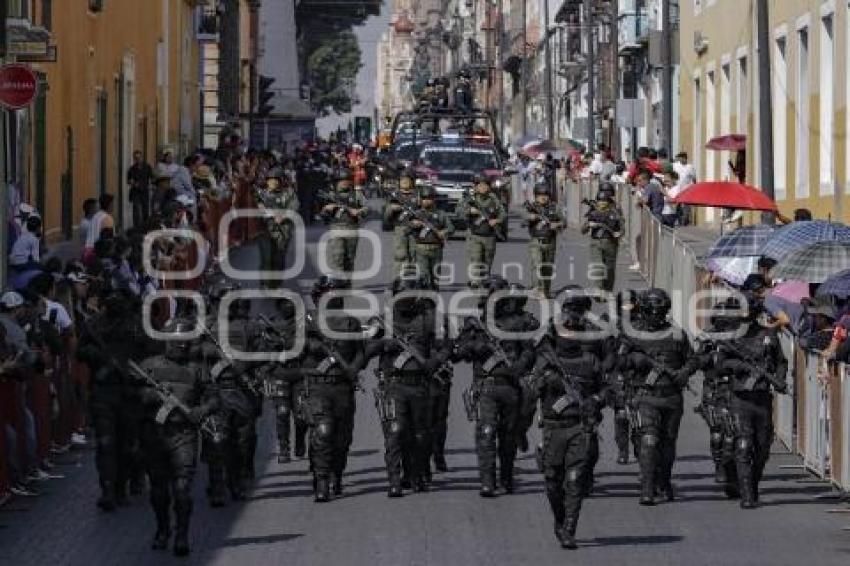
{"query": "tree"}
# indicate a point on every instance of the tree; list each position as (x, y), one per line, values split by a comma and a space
(332, 68)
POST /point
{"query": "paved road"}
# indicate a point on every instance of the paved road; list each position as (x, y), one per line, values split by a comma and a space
(451, 526)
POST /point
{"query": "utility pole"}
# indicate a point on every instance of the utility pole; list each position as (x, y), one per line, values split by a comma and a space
(550, 111)
(766, 105)
(616, 142)
(501, 57)
(591, 87)
(667, 79)
(525, 69)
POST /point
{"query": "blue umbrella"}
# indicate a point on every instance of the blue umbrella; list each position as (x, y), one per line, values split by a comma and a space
(798, 235)
(837, 285)
(743, 242)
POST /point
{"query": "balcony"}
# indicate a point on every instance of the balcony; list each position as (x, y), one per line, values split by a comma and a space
(633, 30)
(208, 26)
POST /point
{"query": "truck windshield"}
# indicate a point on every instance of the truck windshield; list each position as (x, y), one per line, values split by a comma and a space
(464, 158)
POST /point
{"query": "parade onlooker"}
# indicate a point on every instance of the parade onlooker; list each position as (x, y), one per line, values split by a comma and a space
(101, 224)
(139, 178)
(26, 251)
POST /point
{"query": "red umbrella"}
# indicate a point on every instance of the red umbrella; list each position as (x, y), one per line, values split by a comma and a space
(727, 195)
(731, 142)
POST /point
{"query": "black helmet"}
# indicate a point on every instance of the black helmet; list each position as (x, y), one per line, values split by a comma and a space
(286, 308)
(655, 306)
(727, 315)
(428, 191)
(402, 284)
(576, 299)
(276, 172)
(325, 284)
(478, 179)
(494, 283)
(606, 192)
(179, 347)
(542, 188)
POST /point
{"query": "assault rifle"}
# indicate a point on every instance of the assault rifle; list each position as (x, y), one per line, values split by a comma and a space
(482, 217)
(343, 202)
(755, 372)
(572, 396)
(409, 352)
(410, 213)
(497, 354)
(542, 219)
(658, 368)
(169, 402)
(227, 360)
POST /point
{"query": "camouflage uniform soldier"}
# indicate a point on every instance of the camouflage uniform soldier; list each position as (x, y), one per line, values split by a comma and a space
(430, 230)
(403, 244)
(485, 214)
(279, 195)
(604, 222)
(544, 223)
(346, 214)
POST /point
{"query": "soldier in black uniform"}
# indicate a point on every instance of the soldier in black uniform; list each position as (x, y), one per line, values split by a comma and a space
(568, 379)
(170, 435)
(756, 366)
(493, 400)
(229, 452)
(409, 356)
(107, 342)
(717, 392)
(659, 361)
(286, 386)
(331, 368)
(621, 393)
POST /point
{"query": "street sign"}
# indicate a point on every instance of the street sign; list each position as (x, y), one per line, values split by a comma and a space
(18, 85)
(631, 113)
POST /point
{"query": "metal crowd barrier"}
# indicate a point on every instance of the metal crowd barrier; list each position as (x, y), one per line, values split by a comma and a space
(784, 406)
(813, 419)
(842, 453)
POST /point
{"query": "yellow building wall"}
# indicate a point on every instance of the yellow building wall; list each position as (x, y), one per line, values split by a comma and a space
(92, 49)
(729, 26)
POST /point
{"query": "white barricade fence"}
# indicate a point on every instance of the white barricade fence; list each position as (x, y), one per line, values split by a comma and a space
(784, 414)
(843, 478)
(815, 408)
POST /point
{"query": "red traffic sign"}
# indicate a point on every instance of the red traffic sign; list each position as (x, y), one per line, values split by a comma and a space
(18, 85)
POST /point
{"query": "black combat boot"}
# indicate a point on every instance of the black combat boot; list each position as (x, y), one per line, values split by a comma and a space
(647, 493)
(137, 484)
(323, 490)
(395, 487)
(163, 529)
(336, 484)
(667, 492)
(488, 484)
(283, 455)
(745, 486)
(507, 482)
(300, 444)
(567, 534)
(623, 456)
(720, 472)
(182, 514)
(106, 501)
(440, 463)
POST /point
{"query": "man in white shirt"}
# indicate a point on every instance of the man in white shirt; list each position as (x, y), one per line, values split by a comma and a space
(26, 251)
(672, 187)
(687, 173)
